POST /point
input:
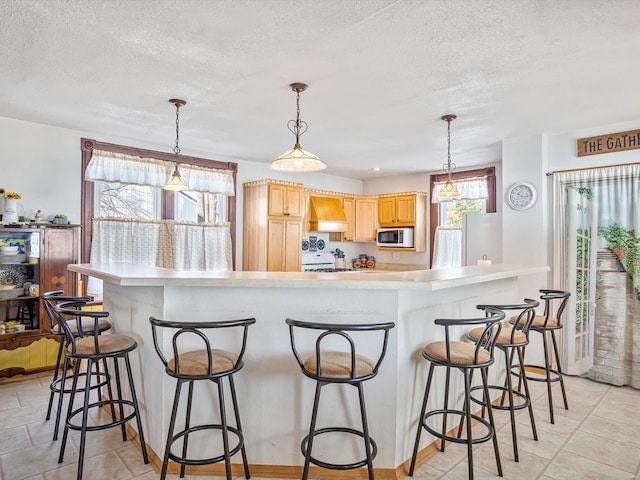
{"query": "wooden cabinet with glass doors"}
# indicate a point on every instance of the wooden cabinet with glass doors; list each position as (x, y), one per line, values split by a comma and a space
(38, 266)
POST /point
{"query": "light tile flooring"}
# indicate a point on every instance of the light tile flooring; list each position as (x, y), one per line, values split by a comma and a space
(597, 438)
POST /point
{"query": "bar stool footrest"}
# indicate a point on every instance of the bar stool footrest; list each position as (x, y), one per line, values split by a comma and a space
(554, 375)
(459, 413)
(339, 466)
(205, 461)
(103, 403)
(102, 378)
(505, 391)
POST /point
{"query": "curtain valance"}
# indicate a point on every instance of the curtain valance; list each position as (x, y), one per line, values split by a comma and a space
(470, 189)
(119, 167)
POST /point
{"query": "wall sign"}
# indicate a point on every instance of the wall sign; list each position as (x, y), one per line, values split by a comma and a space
(613, 142)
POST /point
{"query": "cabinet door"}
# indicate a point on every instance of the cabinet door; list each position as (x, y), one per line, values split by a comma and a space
(58, 250)
(276, 245)
(294, 202)
(349, 205)
(386, 211)
(405, 210)
(277, 199)
(292, 251)
(305, 215)
(365, 220)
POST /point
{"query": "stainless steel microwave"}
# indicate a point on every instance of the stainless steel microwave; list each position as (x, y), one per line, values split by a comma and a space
(395, 237)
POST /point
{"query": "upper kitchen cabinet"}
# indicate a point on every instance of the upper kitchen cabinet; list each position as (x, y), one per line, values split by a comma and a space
(285, 199)
(405, 210)
(365, 219)
(272, 226)
(348, 205)
(397, 210)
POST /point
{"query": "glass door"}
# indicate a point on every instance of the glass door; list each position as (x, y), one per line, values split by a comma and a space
(581, 280)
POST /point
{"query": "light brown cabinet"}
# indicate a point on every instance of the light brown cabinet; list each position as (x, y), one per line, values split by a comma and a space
(285, 200)
(51, 249)
(272, 226)
(397, 211)
(365, 219)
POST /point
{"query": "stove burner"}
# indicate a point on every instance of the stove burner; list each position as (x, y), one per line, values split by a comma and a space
(332, 270)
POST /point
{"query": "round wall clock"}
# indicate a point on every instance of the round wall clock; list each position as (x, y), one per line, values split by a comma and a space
(521, 196)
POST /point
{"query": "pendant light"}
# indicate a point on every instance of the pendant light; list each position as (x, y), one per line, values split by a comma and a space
(297, 159)
(449, 192)
(176, 183)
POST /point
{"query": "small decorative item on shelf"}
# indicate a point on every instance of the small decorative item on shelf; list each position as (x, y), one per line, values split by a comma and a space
(60, 219)
(10, 214)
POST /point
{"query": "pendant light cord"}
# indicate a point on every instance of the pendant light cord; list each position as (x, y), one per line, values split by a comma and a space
(176, 149)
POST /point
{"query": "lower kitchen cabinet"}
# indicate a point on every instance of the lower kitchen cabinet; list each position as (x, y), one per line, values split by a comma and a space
(283, 245)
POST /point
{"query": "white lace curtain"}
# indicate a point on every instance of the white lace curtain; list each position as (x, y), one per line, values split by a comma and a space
(470, 189)
(122, 168)
(162, 243)
(447, 248)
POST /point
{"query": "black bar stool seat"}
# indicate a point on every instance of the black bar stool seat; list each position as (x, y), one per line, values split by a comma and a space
(348, 367)
(78, 328)
(207, 363)
(93, 349)
(512, 339)
(546, 325)
(465, 357)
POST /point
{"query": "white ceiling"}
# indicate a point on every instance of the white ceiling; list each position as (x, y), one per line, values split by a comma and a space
(380, 74)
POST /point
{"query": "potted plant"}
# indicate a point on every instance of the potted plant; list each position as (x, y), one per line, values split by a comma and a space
(60, 219)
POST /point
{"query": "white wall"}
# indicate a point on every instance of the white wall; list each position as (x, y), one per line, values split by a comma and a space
(43, 164)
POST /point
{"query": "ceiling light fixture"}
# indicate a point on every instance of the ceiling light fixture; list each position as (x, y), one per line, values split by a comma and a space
(449, 192)
(175, 182)
(297, 159)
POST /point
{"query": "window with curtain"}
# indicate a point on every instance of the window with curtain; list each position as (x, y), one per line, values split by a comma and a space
(477, 194)
(128, 217)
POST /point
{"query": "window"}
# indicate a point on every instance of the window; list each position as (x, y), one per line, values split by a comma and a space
(121, 198)
(449, 214)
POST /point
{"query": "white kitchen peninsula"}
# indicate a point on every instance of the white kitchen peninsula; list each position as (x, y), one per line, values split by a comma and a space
(275, 398)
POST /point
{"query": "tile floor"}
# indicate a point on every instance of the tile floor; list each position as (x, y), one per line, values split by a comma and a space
(598, 438)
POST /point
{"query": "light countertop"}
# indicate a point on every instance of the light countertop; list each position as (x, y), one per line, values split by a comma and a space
(125, 274)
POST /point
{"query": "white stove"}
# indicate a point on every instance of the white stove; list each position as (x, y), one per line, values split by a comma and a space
(317, 261)
(321, 262)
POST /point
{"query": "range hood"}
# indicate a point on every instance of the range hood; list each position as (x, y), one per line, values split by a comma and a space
(327, 215)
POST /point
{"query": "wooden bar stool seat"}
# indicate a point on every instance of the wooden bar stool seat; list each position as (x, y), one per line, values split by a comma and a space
(546, 325)
(206, 363)
(328, 366)
(512, 339)
(78, 327)
(465, 357)
(92, 350)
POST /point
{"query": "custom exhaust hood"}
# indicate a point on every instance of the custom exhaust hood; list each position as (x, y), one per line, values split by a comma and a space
(327, 215)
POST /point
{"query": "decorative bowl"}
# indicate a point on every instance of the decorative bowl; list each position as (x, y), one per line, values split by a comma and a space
(7, 287)
(9, 250)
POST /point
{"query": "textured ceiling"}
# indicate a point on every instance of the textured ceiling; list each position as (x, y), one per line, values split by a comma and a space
(380, 74)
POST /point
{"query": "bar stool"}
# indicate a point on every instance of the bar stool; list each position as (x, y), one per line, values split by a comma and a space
(93, 349)
(49, 300)
(205, 364)
(346, 367)
(466, 357)
(543, 324)
(511, 340)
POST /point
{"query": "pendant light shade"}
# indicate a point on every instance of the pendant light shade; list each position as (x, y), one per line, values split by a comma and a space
(449, 192)
(297, 159)
(175, 182)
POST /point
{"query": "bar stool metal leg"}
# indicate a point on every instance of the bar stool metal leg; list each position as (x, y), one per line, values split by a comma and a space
(116, 369)
(555, 349)
(225, 430)
(312, 429)
(55, 378)
(172, 423)
(485, 373)
(365, 431)
(423, 411)
(187, 422)
(136, 408)
(236, 412)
